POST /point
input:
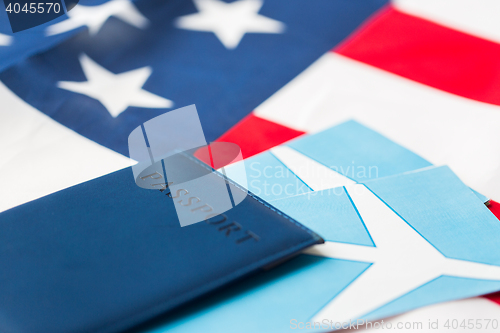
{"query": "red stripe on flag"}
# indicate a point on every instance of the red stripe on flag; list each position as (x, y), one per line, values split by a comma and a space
(255, 135)
(495, 208)
(428, 53)
(495, 297)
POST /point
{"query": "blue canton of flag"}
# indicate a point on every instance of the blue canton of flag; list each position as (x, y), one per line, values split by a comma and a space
(22, 44)
(140, 61)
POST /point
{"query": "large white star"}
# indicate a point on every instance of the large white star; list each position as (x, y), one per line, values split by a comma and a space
(5, 40)
(94, 17)
(115, 91)
(401, 261)
(229, 21)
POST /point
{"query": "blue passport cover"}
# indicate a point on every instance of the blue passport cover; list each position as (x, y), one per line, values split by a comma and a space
(105, 255)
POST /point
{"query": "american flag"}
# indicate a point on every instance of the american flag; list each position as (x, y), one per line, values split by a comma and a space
(424, 73)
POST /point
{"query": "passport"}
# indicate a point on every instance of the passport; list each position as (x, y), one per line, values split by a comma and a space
(106, 255)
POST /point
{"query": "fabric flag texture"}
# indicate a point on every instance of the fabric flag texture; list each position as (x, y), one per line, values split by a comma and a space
(102, 85)
(422, 73)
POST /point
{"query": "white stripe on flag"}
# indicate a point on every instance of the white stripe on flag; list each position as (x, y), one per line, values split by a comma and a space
(478, 17)
(41, 156)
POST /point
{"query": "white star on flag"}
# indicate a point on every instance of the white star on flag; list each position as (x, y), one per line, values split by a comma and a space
(229, 21)
(94, 17)
(5, 40)
(115, 91)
